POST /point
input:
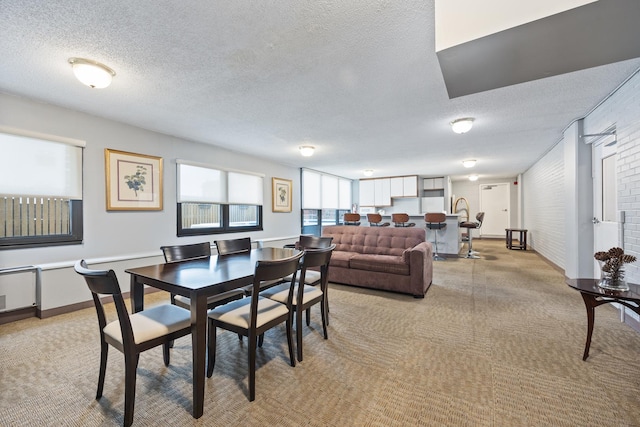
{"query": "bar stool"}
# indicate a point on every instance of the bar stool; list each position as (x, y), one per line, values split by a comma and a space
(351, 219)
(375, 220)
(436, 221)
(471, 226)
(401, 220)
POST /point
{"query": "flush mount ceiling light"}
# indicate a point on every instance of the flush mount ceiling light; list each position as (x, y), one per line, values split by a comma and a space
(462, 125)
(473, 177)
(468, 163)
(92, 73)
(306, 150)
(368, 172)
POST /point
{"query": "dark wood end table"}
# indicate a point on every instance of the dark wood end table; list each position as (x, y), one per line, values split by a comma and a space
(522, 238)
(593, 296)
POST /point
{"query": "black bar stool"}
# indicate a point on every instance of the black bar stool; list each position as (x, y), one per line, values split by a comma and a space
(471, 226)
(436, 221)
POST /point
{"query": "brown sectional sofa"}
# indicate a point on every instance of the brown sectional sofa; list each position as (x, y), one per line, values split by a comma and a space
(387, 258)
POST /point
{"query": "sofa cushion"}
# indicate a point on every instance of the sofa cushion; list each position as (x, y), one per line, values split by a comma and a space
(383, 263)
(341, 258)
(374, 240)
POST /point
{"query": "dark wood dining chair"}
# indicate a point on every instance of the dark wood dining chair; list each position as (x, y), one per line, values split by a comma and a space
(313, 277)
(252, 317)
(233, 246)
(131, 334)
(180, 253)
(306, 296)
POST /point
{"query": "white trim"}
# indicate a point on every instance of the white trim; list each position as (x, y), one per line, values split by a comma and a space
(47, 137)
(67, 264)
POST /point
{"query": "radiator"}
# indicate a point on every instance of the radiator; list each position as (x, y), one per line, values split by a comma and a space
(18, 288)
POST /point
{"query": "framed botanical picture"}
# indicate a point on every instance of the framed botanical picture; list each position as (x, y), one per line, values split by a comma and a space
(134, 181)
(281, 192)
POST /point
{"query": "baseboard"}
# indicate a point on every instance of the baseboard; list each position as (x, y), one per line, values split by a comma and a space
(19, 314)
(45, 314)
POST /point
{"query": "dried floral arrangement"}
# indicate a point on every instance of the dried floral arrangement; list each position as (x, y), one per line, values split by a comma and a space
(612, 262)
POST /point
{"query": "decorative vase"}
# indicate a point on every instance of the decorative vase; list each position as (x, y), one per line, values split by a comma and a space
(612, 280)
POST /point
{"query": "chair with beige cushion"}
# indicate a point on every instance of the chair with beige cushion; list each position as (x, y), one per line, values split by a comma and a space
(401, 220)
(180, 253)
(252, 317)
(351, 218)
(375, 220)
(131, 334)
(306, 296)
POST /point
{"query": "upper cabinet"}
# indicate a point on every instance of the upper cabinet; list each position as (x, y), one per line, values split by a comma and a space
(375, 192)
(433, 183)
(404, 186)
(380, 191)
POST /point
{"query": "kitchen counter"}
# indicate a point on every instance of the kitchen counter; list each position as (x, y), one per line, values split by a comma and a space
(449, 241)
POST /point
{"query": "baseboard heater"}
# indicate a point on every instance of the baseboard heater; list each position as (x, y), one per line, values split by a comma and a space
(18, 288)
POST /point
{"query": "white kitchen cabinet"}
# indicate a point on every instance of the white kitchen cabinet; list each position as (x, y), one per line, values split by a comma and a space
(410, 186)
(367, 192)
(382, 191)
(433, 183)
(397, 186)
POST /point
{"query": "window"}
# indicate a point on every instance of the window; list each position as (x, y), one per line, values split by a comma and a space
(325, 199)
(41, 190)
(213, 200)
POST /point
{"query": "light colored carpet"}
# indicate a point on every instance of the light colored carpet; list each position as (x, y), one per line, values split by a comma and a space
(496, 342)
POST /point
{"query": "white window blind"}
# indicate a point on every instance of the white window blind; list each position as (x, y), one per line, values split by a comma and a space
(245, 189)
(203, 184)
(39, 165)
(324, 191)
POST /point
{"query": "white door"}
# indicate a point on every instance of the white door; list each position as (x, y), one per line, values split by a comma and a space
(605, 206)
(494, 202)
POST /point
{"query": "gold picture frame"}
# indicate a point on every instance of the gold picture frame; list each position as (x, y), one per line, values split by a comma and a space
(134, 181)
(281, 194)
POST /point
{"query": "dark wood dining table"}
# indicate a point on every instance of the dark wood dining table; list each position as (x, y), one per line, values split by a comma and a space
(197, 280)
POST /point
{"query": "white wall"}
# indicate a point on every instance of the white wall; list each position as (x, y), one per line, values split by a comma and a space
(548, 214)
(125, 235)
(470, 190)
(543, 205)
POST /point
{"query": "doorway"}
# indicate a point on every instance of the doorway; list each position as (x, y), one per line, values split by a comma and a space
(495, 200)
(605, 198)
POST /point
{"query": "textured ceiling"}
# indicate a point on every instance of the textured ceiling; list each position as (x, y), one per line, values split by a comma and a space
(360, 80)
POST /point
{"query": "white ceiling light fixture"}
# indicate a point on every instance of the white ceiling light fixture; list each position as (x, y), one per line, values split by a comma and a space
(368, 172)
(307, 150)
(92, 73)
(468, 163)
(473, 177)
(462, 125)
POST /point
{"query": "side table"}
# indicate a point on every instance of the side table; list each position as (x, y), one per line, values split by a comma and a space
(522, 238)
(593, 296)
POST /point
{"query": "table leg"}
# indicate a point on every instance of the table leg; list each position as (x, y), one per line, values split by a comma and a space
(590, 303)
(136, 293)
(199, 348)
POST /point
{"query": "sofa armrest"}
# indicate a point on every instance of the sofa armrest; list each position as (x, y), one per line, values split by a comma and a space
(421, 267)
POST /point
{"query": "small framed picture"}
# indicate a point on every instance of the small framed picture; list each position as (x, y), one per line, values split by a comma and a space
(134, 181)
(281, 192)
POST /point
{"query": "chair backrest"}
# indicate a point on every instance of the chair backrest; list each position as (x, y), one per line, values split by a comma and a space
(316, 258)
(435, 217)
(352, 218)
(399, 218)
(105, 282)
(374, 218)
(233, 246)
(480, 218)
(313, 242)
(272, 270)
(185, 252)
